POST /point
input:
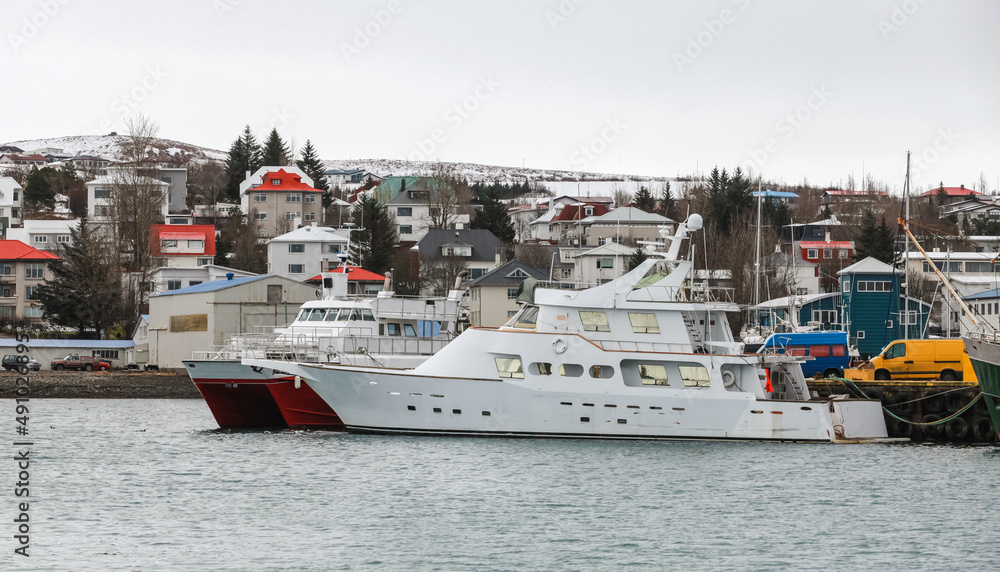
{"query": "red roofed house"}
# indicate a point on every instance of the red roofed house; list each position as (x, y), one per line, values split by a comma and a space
(278, 199)
(952, 195)
(182, 245)
(22, 269)
(820, 250)
(570, 223)
(360, 282)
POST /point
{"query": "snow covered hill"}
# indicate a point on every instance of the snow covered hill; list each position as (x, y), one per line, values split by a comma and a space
(109, 147)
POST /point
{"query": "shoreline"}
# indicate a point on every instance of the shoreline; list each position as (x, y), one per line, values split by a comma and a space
(101, 385)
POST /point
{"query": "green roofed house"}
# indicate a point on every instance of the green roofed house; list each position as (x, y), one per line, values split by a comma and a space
(410, 199)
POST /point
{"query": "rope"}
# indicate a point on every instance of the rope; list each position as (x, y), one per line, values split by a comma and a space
(849, 384)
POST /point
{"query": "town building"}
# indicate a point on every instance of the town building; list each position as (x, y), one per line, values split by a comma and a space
(410, 200)
(169, 278)
(22, 270)
(627, 226)
(45, 234)
(10, 203)
(442, 253)
(182, 246)
(279, 199)
(306, 251)
(493, 296)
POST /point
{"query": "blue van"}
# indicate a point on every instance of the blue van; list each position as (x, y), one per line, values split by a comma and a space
(828, 350)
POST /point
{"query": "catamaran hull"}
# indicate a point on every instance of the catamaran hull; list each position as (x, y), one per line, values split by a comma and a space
(985, 358)
(371, 401)
(242, 397)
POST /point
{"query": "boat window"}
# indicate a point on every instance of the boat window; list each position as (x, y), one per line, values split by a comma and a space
(839, 351)
(819, 351)
(393, 329)
(594, 321)
(304, 315)
(509, 367)
(653, 374)
(540, 368)
(318, 314)
(367, 315)
(797, 351)
(895, 351)
(409, 331)
(335, 316)
(643, 323)
(694, 376)
(355, 314)
(601, 371)
(527, 317)
(570, 370)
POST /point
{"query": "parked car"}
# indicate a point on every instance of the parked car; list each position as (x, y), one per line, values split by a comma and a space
(11, 363)
(80, 362)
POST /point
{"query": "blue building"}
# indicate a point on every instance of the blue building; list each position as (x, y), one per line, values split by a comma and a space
(876, 312)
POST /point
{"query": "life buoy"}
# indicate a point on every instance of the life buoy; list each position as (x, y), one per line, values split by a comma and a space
(559, 345)
(728, 378)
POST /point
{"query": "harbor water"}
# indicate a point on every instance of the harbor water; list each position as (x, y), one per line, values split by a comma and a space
(153, 485)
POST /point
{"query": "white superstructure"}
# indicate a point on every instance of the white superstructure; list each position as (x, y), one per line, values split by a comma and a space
(648, 355)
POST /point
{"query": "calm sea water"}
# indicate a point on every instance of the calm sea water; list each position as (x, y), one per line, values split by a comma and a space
(149, 485)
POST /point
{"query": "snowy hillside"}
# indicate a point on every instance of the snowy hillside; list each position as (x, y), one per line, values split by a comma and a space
(108, 147)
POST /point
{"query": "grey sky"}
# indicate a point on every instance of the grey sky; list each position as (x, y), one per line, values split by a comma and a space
(797, 89)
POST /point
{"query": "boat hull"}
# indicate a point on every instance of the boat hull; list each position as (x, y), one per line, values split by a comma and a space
(243, 397)
(372, 401)
(985, 358)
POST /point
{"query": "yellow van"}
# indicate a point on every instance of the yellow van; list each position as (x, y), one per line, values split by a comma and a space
(946, 360)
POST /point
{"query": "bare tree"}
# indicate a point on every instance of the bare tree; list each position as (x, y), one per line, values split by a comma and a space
(437, 274)
(983, 184)
(620, 196)
(447, 196)
(534, 255)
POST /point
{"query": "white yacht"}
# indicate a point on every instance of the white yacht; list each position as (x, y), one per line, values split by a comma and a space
(647, 356)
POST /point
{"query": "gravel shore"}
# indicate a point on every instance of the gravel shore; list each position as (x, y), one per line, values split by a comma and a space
(114, 384)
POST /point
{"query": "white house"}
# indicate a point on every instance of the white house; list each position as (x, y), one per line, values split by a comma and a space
(602, 264)
(44, 234)
(306, 251)
(99, 196)
(10, 202)
(170, 278)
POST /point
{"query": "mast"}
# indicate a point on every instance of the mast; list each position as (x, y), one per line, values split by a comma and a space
(906, 252)
(756, 264)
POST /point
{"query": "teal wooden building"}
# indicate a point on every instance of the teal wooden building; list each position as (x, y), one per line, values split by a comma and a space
(869, 307)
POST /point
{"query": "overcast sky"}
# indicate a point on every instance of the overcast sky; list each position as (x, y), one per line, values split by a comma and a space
(795, 89)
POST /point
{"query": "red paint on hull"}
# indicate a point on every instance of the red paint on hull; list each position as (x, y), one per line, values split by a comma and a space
(302, 408)
(241, 404)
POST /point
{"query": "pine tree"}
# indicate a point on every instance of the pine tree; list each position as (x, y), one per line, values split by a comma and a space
(667, 204)
(374, 244)
(494, 218)
(875, 240)
(238, 245)
(312, 166)
(275, 152)
(638, 257)
(38, 192)
(644, 200)
(85, 292)
(244, 156)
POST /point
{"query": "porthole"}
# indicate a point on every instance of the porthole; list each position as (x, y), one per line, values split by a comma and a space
(486, 413)
(585, 419)
(622, 421)
(411, 407)
(456, 411)
(437, 410)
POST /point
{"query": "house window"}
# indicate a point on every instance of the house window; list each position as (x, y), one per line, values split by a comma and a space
(275, 182)
(63, 239)
(311, 198)
(100, 193)
(292, 215)
(194, 282)
(41, 239)
(874, 286)
(828, 253)
(199, 244)
(293, 197)
(165, 244)
(296, 248)
(33, 312)
(605, 262)
(296, 268)
(847, 286)
(260, 197)
(908, 318)
(405, 229)
(309, 216)
(99, 210)
(178, 221)
(260, 215)
(5, 311)
(105, 354)
(173, 284)
(643, 323)
(588, 211)
(812, 253)
(204, 261)
(30, 291)
(565, 273)
(476, 273)
(334, 248)
(824, 316)
(34, 270)
(842, 254)
(404, 211)
(594, 321)
(511, 293)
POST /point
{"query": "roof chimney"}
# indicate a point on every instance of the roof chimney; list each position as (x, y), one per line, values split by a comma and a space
(828, 235)
(229, 275)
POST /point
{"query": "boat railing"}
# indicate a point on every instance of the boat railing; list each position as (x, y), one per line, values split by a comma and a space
(310, 347)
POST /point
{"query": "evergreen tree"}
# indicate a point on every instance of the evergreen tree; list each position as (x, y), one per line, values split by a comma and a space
(375, 241)
(718, 207)
(244, 156)
(38, 192)
(667, 204)
(644, 200)
(876, 239)
(275, 152)
(494, 218)
(85, 292)
(638, 257)
(238, 245)
(312, 166)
